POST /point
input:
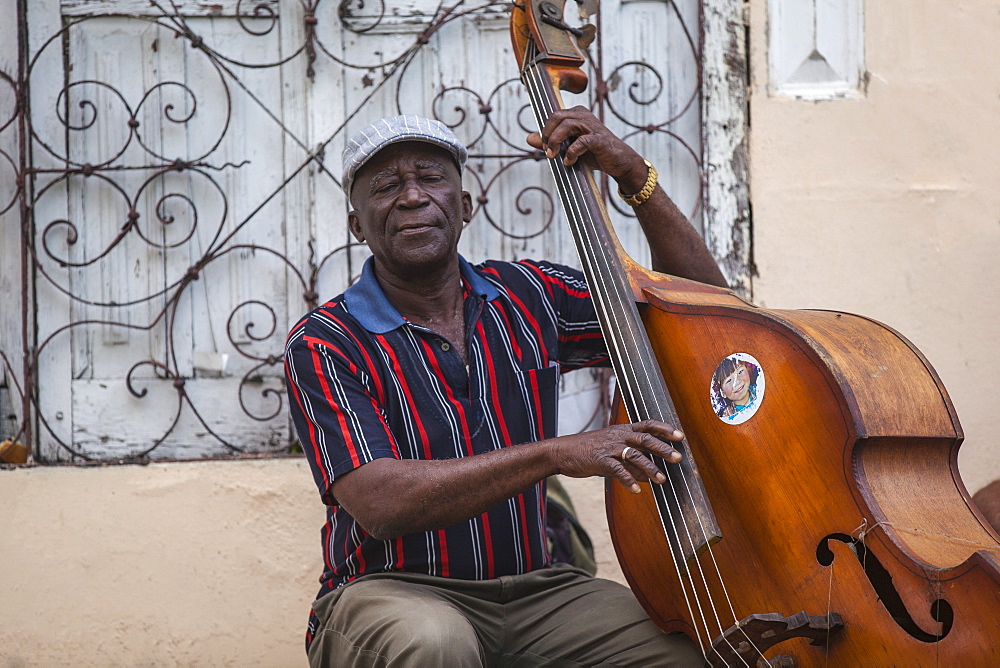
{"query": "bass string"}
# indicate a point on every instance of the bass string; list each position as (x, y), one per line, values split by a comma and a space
(534, 84)
(579, 217)
(829, 610)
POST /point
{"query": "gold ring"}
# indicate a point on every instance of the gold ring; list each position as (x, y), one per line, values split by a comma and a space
(625, 452)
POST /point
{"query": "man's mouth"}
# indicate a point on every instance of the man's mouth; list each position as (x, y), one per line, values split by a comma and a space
(414, 227)
(413, 230)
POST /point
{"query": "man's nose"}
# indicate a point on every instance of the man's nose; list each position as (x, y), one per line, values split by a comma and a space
(413, 194)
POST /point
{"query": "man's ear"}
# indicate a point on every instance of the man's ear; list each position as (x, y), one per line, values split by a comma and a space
(355, 224)
(466, 207)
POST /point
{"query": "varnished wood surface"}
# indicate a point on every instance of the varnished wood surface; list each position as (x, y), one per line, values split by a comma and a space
(854, 433)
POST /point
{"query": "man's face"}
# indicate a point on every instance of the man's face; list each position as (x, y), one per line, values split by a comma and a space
(409, 208)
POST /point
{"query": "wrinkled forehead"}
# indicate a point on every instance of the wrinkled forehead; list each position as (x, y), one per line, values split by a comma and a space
(421, 154)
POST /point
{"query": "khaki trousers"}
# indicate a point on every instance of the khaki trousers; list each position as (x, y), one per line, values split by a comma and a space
(557, 616)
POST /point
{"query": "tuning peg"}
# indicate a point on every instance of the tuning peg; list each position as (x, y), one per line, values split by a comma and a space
(587, 35)
(587, 8)
(584, 36)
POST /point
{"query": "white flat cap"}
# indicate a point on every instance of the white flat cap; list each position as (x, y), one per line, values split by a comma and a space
(372, 139)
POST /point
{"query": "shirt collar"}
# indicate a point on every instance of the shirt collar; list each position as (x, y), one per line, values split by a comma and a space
(369, 305)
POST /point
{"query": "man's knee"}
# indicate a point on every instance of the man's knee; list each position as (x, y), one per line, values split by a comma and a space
(387, 623)
(439, 641)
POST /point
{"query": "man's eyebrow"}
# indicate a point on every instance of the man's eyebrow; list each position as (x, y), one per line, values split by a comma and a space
(378, 177)
(381, 174)
(422, 163)
(426, 163)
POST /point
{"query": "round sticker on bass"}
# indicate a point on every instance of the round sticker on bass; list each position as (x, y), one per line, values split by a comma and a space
(737, 388)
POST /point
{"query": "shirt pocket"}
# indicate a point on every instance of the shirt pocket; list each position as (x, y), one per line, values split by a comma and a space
(539, 390)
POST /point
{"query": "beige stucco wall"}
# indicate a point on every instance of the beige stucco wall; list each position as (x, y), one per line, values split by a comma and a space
(887, 206)
(200, 564)
(194, 564)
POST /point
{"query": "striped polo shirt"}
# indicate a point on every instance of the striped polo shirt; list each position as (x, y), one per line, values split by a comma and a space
(366, 383)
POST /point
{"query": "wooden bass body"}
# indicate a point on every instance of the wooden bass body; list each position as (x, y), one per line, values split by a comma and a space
(840, 494)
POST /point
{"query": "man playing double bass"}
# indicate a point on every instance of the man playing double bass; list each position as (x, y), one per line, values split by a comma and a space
(425, 398)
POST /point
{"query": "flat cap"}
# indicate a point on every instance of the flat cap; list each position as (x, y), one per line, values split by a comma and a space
(372, 139)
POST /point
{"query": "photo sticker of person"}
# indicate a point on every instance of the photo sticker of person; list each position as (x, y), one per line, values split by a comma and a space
(737, 388)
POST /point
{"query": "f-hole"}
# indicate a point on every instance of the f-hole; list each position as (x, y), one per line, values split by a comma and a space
(881, 582)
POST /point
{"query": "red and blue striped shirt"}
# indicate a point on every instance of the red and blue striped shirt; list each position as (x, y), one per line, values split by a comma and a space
(365, 383)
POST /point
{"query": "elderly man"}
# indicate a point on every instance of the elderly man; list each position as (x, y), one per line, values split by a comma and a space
(425, 400)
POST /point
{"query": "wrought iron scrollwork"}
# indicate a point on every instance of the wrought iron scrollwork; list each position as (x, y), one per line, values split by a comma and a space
(128, 231)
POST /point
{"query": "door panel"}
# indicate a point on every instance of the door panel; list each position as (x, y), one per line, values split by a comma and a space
(186, 205)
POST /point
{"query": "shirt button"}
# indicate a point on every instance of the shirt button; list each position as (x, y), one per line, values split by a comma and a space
(445, 346)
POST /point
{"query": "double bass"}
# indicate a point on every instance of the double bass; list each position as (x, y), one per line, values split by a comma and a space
(817, 517)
